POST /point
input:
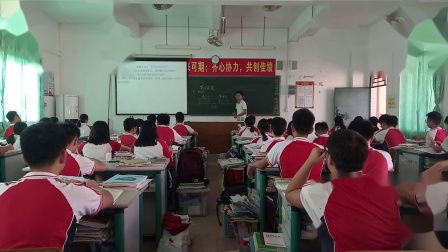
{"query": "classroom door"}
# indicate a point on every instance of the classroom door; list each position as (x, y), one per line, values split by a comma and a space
(352, 102)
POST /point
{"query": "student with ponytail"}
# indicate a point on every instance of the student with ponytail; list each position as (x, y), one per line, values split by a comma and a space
(249, 130)
(82, 125)
(264, 127)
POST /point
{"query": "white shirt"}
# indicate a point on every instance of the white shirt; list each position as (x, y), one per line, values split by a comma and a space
(240, 107)
(445, 144)
(290, 137)
(17, 143)
(148, 152)
(247, 133)
(381, 135)
(99, 151)
(266, 145)
(84, 129)
(431, 135)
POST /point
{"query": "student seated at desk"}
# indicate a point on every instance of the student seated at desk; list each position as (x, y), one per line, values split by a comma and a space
(40, 210)
(435, 133)
(14, 139)
(139, 124)
(374, 121)
(389, 133)
(128, 137)
(278, 126)
(13, 118)
(288, 135)
(99, 143)
(152, 118)
(181, 128)
(290, 155)
(263, 126)
(165, 133)
(249, 129)
(148, 144)
(321, 129)
(82, 125)
(351, 212)
(378, 163)
(338, 124)
(75, 164)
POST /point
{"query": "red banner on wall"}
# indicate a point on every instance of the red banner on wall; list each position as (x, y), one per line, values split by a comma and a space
(231, 67)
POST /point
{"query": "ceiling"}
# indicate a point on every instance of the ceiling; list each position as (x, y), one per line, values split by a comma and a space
(207, 13)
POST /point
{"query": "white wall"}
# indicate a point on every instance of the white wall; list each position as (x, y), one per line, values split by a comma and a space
(46, 32)
(334, 58)
(388, 52)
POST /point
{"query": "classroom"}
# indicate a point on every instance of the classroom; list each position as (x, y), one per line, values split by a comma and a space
(314, 125)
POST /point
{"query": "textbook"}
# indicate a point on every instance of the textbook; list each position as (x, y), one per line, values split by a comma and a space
(116, 193)
(134, 162)
(261, 242)
(132, 181)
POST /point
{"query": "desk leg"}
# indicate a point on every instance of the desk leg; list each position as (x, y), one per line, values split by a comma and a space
(174, 176)
(295, 229)
(160, 202)
(260, 181)
(119, 231)
(141, 222)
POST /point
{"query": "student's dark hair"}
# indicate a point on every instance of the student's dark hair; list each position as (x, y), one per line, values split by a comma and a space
(339, 122)
(100, 133)
(289, 129)
(180, 117)
(250, 122)
(45, 120)
(163, 119)
(393, 121)
(303, 121)
(321, 127)
(54, 119)
(148, 135)
(435, 116)
(278, 126)
(358, 118)
(364, 128)
(139, 123)
(239, 92)
(18, 129)
(152, 118)
(373, 120)
(129, 124)
(348, 149)
(71, 131)
(263, 127)
(10, 115)
(82, 119)
(42, 143)
(383, 118)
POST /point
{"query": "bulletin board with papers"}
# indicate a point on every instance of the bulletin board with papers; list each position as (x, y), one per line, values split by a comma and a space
(304, 94)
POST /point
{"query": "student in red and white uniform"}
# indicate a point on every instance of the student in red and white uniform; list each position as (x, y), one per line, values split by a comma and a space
(351, 212)
(290, 155)
(82, 125)
(278, 126)
(128, 137)
(14, 139)
(321, 129)
(181, 128)
(288, 135)
(75, 164)
(263, 127)
(249, 130)
(40, 210)
(13, 118)
(374, 120)
(99, 143)
(338, 124)
(165, 133)
(378, 163)
(148, 146)
(389, 133)
(435, 133)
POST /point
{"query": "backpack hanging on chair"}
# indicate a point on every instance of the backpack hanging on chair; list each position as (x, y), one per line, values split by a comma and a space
(190, 168)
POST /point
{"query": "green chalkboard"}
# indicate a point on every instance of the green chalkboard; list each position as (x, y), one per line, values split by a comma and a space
(216, 95)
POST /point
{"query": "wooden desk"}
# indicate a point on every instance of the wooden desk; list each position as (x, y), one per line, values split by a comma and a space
(214, 135)
(11, 164)
(160, 173)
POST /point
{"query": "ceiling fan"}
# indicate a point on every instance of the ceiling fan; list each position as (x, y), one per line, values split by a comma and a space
(162, 6)
(213, 38)
(271, 7)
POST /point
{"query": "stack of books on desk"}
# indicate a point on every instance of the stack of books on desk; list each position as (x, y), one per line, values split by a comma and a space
(136, 162)
(199, 185)
(231, 163)
(127, 182)
(264, 242)
(122, 155)
(94, 229)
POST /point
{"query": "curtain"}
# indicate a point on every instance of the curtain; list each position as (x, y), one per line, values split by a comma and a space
(438, 85)
(20, 86)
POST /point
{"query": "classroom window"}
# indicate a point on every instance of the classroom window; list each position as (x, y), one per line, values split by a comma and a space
(378, 89)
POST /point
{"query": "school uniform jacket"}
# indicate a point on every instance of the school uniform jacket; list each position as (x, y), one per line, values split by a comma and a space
(245, 132)
(392, 136)
(127, 139)
(291, 155)
(98, 151)
(40, 210)
(85, 129)
(157, 151)
(259, 140)
(268, 146)
(183, 130)
(322, 140)
(437, 135)
(355, 214)
(77, 165)
(377, 166)
(168, 135)
(9, 131)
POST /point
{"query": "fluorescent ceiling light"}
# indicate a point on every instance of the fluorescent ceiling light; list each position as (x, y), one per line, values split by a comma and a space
(249, 47)
(178, 47)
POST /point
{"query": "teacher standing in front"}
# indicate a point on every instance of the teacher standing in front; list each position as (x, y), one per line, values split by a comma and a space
(241, 106)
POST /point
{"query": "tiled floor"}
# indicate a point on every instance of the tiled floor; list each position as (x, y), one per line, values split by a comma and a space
(208, 235)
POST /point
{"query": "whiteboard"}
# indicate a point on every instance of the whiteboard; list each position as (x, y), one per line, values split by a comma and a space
(151, 87)
(352, 102)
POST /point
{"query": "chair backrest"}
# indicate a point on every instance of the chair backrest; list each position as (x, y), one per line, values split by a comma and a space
(32, 250)
(380, 146)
